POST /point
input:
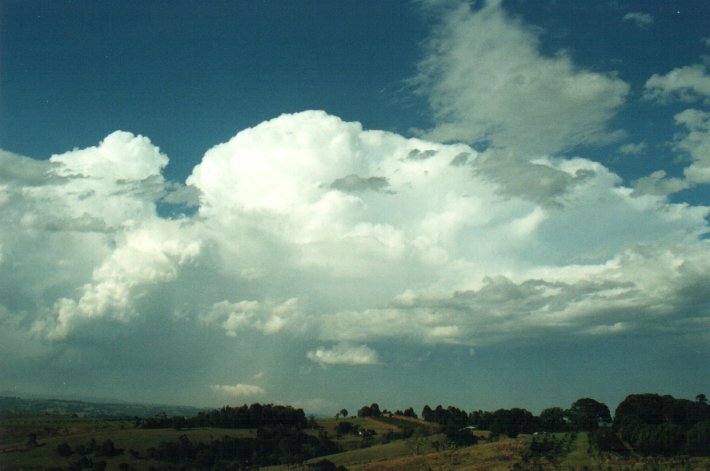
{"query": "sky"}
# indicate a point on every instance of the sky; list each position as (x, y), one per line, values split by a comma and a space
(328, 204)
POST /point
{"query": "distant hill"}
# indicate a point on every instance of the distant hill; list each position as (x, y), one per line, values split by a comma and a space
(90, 409)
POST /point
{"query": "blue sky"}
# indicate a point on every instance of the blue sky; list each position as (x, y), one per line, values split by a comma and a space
(328, 204)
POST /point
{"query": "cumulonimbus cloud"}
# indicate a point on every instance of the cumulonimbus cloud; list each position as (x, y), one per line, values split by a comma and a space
(464, 247)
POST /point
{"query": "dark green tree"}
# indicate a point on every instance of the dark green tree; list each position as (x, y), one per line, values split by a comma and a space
(648, 408)
(553, 420)
(512, 422)
(587, 414)
(427, 413)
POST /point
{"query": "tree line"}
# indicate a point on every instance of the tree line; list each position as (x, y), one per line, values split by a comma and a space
(272, 445)
(652, 424)
(252, 416)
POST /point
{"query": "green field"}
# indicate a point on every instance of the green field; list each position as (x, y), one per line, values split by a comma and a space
(51, 431)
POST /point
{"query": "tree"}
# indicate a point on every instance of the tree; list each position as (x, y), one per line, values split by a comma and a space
(586, 414)
(344, 412)
(369, 411)
(701, 398)
(375, 409)
(663, 425)
(459, 436)
(364, 411)
(427, 413)
(512, 422)
(648, 408)
(344, 428)
(552, 419)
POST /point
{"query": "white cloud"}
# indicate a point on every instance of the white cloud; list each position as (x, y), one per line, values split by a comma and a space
(82, 234)
(149, 255)
(633, 291)
(688, 84)
(266, 317)
(696, 142)
(486, 80)
(17, 169)
(658, 183)
(460, 248)
(632, 149)
(238, 390)
(344, 354)
(615, 328)
(639, 19)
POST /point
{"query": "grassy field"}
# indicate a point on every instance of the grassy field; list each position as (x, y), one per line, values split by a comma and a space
(50, 431)
(423, 450)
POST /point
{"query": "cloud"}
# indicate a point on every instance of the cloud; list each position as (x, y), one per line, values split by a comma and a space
(690, 84)
(356, 184)
(658, 183)
(146, 256)
(538, 180)
(275, 249)
(633, 149)
(344, 354)
(265, 317)
(238, 390)
(696, 143)
(687, 84)
(639, 19)
(464, 249)
(88, 218)
(17, 169)
(634, 290)
(182, 195)
(486, 81)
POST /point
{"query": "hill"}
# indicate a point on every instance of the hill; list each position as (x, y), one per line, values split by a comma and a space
(35, 406)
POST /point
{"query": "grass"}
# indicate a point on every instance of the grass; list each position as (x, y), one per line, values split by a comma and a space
(422, 451)
(81, 431)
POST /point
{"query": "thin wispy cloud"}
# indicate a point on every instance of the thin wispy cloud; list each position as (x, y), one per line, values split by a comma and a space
(487, 81)
(639, 19)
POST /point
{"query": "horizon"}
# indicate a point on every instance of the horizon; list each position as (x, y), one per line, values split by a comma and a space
(352, 412)
(485, 204)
